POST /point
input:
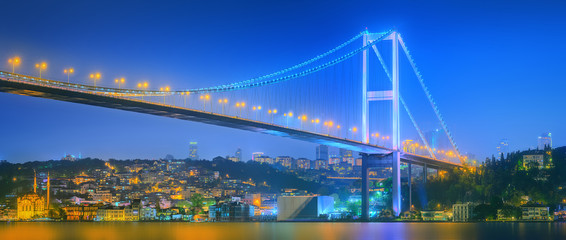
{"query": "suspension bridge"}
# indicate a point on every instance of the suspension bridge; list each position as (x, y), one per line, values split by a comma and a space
(349, 97)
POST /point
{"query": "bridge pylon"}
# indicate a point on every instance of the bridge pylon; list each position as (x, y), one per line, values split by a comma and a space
(387, 95)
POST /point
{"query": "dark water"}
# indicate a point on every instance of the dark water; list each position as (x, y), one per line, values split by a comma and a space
(308, 231)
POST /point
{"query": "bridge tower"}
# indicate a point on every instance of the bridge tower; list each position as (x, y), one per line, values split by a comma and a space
(387, 95)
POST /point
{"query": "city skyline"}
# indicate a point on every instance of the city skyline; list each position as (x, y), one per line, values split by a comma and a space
(54, 128)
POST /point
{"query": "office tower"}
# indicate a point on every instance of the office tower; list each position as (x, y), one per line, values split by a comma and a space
(544, 140)
(238, 155)
(193, 151)
(322, 152)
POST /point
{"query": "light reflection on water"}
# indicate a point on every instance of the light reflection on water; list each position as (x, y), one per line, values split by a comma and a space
(308, 231)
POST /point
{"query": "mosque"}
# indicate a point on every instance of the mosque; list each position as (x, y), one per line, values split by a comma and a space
(32, 205)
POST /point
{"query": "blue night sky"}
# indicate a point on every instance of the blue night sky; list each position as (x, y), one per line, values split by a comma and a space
(495, 68)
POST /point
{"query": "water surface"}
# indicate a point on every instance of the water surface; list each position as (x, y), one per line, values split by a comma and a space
(279, 230)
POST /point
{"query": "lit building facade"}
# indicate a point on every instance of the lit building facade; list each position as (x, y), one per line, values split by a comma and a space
(31, 206)
(193, 151)
(533, 160)
(80, 213)
(285, 161)
(303, 163)
(231, 212)
(255, 155)
(238, 155)
(545, 140)
(463, 212)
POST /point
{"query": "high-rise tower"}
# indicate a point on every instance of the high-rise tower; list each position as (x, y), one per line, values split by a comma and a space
(34, 181)
(544, 140)
(48, 190)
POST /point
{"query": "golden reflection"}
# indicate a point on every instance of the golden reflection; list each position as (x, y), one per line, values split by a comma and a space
(276, 230)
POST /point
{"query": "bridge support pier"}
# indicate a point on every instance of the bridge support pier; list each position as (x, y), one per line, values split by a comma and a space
(409, 182)
(365, 187)
(425, 173)
(396, 183)
(378, 160)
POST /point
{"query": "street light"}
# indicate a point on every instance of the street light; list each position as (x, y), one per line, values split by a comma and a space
(240, 105)
(256, 110)
(272, 113)
(223, 103)
(328, 125)
(353, 130)
(68, 71)
(142, 86)
(186, 95)
(204, 98)
(166, 89)
(119, 81)
(302, 118)
(316, 122)
(40, 67)
(94, 77)
(15, 61)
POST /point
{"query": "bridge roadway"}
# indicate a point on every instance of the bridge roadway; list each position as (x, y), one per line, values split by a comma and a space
(49, 91)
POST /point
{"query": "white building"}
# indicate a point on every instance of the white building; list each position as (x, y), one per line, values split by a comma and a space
(535, 213)
(463, 212)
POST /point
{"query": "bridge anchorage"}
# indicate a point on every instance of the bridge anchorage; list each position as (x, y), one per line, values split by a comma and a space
(322, 100)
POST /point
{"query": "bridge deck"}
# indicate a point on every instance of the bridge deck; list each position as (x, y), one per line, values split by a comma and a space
(104, 100)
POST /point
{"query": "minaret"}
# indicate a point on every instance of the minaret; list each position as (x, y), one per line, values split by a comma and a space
(34, 182)
(48, 190)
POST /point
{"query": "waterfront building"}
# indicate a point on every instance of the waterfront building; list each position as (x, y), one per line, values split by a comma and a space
(230, 212)
(80, 213)
(322, 152)
(147, 213)
(253, 199)
(291, 208)
(545, 140)
(193, 151)
(438, 216)
(119, 213)
(31, 206)
(560, 213)
(110, 213)
(535, 213)
(463, 212)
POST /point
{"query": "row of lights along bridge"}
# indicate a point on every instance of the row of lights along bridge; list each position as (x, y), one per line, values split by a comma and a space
(328, 125)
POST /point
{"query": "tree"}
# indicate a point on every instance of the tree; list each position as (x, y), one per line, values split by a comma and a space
(196, 203)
